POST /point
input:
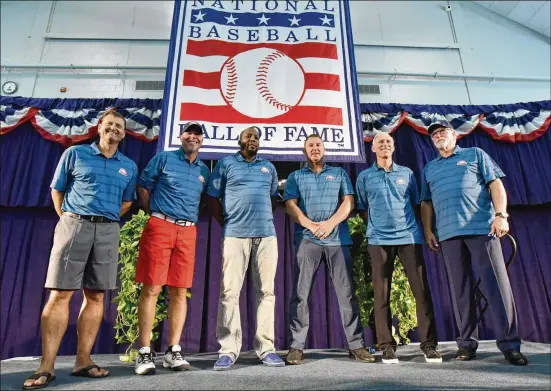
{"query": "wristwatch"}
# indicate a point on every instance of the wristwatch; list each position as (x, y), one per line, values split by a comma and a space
(503, 215)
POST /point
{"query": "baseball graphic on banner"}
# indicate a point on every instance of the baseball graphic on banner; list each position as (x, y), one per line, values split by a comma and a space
(262, 82)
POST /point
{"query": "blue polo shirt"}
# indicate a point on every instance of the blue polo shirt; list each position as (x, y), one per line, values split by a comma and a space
(176, 184)
(458, 188)
(389, 196)
(319, 198)
(245, 189)
(93, 184)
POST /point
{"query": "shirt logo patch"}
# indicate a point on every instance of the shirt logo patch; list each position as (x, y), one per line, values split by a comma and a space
(329, 178)
(462, 163)
(201, 178)
(122, 171)
(400, 181)
(264, 170)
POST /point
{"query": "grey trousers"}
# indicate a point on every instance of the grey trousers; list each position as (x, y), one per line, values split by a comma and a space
(339, 262)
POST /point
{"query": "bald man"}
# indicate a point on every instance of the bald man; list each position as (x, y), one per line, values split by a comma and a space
(388, 197)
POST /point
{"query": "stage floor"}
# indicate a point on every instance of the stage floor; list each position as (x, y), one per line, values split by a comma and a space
(323, 370)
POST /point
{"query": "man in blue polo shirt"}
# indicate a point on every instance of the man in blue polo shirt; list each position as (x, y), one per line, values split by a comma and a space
(243, 188)
(388, 195)
(170, 188)
(319, 198)
(92, 187)
(463, 190)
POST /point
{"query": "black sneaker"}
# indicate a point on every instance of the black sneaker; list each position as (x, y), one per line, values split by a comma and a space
(465, 354)
(515, 357)
(431, 355)
(389, 357)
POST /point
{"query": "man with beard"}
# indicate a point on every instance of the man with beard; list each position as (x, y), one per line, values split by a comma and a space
(243, 188)
(320, 198)
(388, 196)
(170, 188)
(463, 190)
(92, 187)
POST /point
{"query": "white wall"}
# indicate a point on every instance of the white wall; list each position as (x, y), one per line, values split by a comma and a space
(402, 36)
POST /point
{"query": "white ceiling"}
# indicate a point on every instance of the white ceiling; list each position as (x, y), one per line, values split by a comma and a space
(535, 15)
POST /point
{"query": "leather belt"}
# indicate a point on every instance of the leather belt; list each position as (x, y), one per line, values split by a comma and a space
(93, 219)
(182, 222)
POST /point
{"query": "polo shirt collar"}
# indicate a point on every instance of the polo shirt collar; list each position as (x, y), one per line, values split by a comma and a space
(393, 167)
(184, 157)
(96, 151)
(241, 158)
(308, 168)
(456, 151)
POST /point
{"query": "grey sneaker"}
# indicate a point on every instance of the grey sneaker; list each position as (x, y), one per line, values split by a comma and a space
(432, 356)
(389, 357)
(144, 362)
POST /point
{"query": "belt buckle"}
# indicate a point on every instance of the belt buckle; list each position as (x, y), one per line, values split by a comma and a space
(94, 219)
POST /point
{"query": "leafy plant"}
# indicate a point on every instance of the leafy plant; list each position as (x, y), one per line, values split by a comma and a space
(402, 301)
(126, 323)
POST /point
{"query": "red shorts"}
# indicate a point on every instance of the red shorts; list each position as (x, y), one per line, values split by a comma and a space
(166, 254)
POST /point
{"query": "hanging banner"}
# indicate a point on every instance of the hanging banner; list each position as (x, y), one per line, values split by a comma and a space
(285, 67)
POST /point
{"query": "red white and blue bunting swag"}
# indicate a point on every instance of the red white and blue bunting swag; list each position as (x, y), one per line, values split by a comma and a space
(518, 125)
(69, 121)
(72, 126)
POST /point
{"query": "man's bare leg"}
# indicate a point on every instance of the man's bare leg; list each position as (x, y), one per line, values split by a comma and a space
(177, 311)
(146, 312)
(54, 321)
(89, 320)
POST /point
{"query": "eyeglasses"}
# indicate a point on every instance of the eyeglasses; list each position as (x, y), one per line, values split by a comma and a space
(438, 132)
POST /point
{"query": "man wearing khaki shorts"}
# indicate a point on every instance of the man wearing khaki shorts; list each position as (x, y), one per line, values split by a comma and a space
(241, 187)
(92, 187)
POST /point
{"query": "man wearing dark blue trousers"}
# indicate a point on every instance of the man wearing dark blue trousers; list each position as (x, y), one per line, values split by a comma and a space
(463, 190)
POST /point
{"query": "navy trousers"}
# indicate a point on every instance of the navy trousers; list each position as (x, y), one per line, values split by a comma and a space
(461, 255)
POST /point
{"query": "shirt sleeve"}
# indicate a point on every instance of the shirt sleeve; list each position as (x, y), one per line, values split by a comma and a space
(130, 190)
(206, 176)
(361, 194)
(291, 188)
(413, 190)
(151, 173)
(64, 170)
(217, 180)
(425, 189)
(488, 167)
(275, 183)
(346, 184)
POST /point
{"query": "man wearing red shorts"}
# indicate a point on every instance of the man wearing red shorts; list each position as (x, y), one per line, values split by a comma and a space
(170, 188)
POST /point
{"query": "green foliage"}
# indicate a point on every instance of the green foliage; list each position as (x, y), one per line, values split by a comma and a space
(126, 324)
(402, 301)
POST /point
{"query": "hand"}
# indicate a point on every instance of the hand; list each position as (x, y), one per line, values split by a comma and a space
(312, 226)
(431, 240)
(324, 229)
(499, 228)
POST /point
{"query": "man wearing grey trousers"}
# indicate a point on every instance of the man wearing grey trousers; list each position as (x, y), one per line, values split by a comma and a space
(320, 198)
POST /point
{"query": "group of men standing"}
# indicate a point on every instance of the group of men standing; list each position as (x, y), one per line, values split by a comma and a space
(95, 184)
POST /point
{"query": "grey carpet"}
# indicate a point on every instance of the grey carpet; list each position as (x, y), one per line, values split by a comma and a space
(323, 370)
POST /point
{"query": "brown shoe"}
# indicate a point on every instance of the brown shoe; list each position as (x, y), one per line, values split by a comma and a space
(361, 354)
(295, 357)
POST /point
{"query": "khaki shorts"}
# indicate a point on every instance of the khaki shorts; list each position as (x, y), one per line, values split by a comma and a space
(84, 255)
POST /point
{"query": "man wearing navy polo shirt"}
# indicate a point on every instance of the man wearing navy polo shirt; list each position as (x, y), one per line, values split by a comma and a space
(92, 187)
(170, 188)
(388, 195)
(463, 190)
(320, 198)
(243, 188)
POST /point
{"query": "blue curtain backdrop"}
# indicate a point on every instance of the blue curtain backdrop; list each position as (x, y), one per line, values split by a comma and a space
(28, 162)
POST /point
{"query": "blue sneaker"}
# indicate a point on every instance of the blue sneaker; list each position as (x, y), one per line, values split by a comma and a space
(223, 363)
(273, 360)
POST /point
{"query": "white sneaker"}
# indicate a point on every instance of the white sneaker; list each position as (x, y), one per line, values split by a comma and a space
(144, 362)
(174, 359)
